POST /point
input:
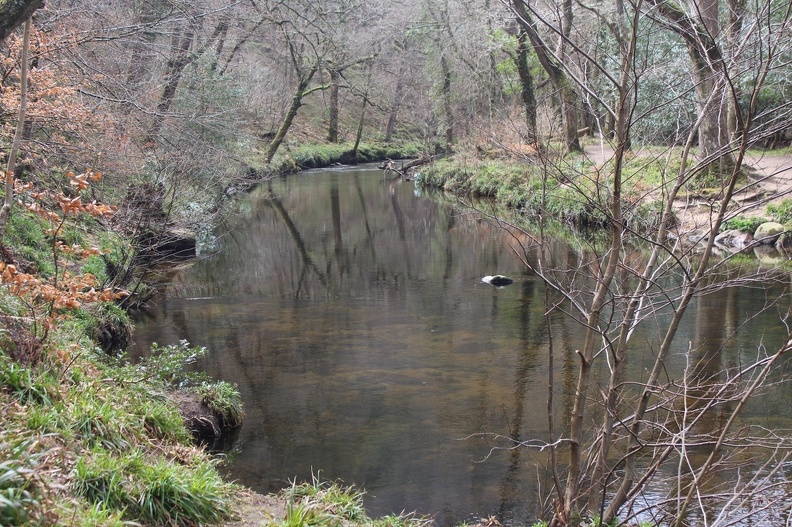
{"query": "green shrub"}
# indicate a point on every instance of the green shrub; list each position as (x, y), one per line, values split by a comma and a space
(166, 365)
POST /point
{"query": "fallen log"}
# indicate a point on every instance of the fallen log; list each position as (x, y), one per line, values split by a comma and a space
(406, 170)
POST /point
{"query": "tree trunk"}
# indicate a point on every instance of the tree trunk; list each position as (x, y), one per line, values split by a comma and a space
(141, 51)
(238, 46)
(526, 85)
(180, 58)
(707, 64)
(221, 33)
(362, 120)
(736, 16)
(390, 128)
(5, 211)
(14, 12)
(332, 125)
(494, 84)
(558, 77)
(302, 87)
(710, 90)
(449, 117)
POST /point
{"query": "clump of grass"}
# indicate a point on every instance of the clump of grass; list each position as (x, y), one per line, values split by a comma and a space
(21, 495)
(401, 520)
(224, 400)
(324, 503)
(156, 492)
(336, 500)
(29, 385)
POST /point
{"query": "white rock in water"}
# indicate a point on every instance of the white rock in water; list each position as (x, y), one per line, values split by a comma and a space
(498, 280)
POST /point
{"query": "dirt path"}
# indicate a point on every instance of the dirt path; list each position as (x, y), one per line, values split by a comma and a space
(256, 510)
(774, 174)
(771, 182)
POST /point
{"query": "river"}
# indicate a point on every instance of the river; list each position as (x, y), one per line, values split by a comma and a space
(348, 308)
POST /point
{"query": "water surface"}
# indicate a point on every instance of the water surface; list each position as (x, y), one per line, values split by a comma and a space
(349, 310)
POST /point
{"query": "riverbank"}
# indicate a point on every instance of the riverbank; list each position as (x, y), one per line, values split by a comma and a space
(573, 190)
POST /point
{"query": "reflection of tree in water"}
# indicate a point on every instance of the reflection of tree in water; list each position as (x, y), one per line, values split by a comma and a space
(531, 336)
(364, 209)
(299, 242)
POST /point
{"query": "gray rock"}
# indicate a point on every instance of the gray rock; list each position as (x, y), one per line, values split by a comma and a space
(734, 239)
(784, 243)
(697, 236)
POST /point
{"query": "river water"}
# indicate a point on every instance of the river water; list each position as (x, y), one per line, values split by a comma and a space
(349, 310)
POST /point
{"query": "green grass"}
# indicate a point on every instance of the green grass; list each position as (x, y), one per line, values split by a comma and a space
(121, 448)
(153, 491)
(27, 385)
(743, 224)
(224, 400)
(324, 504)
(26, 234)
(326, 154)
(567, 198)
(21, 496)
(781, 212)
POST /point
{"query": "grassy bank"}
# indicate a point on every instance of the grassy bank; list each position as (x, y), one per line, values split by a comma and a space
(572, 190)
(93, 440)
(90, 440)
(570, 193)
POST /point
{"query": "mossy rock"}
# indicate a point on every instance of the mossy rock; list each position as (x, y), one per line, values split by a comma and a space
(768, 232)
